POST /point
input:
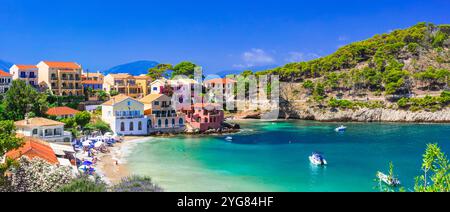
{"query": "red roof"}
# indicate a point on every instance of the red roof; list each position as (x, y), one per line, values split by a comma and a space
(62, 65)
(4, 74)
(97, 82)
(60, 111)
(221, 81)
(34, 148)
(26, 66)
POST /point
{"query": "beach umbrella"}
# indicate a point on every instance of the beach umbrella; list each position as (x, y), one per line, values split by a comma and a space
(87, 163)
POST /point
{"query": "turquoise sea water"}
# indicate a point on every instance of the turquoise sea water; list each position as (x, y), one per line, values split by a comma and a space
(273, 156)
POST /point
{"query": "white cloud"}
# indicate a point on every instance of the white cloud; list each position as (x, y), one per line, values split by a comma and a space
(255, 57)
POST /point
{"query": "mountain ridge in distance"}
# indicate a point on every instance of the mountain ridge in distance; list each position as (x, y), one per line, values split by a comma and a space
(135, 68)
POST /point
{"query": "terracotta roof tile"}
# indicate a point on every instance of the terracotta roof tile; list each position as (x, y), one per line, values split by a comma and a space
(63, 65)
(22, 67)
(34, 148)
(4, 74)
(221, 81)
(97, 82)
(60, 111)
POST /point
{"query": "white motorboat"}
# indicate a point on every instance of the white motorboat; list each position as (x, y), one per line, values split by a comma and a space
(317, 159)
(229, 138)
(342, 128)
(391, 181)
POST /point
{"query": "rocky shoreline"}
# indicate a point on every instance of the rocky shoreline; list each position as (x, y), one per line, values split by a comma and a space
(360, 115)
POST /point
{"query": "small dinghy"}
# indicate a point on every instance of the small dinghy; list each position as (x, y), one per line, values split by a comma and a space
(317, 159)
(229, 138)
(391, 181)
(342, 128)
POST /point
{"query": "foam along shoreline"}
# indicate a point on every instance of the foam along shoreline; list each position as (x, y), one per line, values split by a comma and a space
(112, 166)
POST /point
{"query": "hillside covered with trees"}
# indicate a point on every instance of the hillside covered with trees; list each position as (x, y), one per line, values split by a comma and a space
(407, 69)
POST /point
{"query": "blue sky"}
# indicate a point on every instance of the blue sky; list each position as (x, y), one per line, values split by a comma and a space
(219, 35)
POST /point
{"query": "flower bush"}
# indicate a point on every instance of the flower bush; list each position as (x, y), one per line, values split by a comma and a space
(38, 175)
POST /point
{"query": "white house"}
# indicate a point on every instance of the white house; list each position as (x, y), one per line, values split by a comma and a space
(125, 115)
(5, 81)
(27, 73)
(45, 129)
(157, 86)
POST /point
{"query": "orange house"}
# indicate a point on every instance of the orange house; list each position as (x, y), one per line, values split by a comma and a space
(34, 148)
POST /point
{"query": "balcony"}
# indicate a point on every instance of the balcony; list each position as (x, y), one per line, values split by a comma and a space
(130, 117)
(51, 136)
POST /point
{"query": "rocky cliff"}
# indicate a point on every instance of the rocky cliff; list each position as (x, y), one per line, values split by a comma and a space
(368, 115)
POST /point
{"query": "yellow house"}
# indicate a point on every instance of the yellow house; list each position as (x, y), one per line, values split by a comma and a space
(161, 114)
(145, 83)
(136, 87)
(125, 115)
(62, 78)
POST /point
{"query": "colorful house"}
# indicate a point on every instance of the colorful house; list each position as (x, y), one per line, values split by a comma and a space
(224, 84)
(205, 116)
(92, 80)
(144, 82)
(162, 115)
(27, 73)
(56, 154)
(34, 148)
(184, 92)
(125, 115)
(124, 84)
(158, 86)
(221, 88)
(5, 81)
(45, 129)
(62, 112)
(62, 78)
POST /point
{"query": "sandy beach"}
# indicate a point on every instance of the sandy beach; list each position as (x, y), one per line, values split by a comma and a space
(112, 166)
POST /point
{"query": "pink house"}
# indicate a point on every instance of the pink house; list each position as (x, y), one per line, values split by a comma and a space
(204, 116)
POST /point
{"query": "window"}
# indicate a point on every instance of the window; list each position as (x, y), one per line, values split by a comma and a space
(181, 121)
(140, 125)
(150, 125)
(131, 126)
(159, 123)
(155, 88)
(122, 126)
(173, 122)
(166, 123)
(35, 131)
(156, 103)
